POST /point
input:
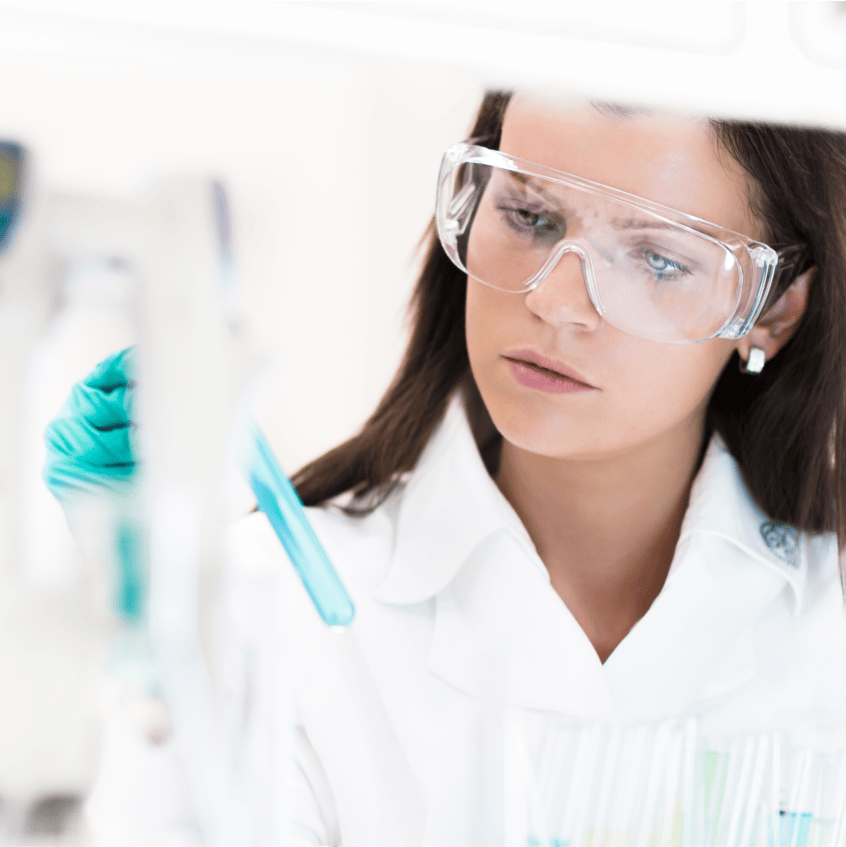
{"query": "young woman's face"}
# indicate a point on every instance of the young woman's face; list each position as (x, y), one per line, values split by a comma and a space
(641, 391)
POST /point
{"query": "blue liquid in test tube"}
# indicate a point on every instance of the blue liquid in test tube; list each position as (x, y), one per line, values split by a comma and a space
(278, 499)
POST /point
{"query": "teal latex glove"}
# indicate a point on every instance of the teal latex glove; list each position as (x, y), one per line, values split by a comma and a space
(90, 443)
(91, 450)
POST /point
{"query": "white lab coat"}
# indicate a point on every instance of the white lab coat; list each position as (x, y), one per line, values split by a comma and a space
(395, 732)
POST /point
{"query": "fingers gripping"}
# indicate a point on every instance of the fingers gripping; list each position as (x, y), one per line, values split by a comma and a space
(90, 443)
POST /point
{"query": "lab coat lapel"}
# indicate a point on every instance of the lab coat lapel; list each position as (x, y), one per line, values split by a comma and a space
(449, 506)
(502, 633)
(500, 630)
(696, 637)
(497, 616)
(731, 563)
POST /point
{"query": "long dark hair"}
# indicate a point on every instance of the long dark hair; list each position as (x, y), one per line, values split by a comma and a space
(786, 428)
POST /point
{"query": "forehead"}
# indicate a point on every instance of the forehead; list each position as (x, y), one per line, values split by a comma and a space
(669, 159)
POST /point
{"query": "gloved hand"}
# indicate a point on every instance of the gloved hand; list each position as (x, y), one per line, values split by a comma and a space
(90, 443)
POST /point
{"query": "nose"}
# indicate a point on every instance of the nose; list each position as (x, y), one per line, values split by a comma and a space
(562, 297)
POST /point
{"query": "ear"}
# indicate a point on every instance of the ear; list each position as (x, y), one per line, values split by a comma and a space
(774, 329)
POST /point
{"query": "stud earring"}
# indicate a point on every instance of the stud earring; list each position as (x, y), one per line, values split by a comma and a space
(755, 363)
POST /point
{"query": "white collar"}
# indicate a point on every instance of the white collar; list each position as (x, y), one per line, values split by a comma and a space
(437, 532)
(721, 506)
(459, 541)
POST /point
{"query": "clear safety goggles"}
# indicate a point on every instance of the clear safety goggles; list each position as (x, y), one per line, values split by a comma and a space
(649, 270)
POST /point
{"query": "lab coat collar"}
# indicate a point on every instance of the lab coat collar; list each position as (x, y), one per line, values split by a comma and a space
(494, 605)
(502, 633)
(696, 641)
(437, 532)
(494, 602)
(449, 506)
(721, 506)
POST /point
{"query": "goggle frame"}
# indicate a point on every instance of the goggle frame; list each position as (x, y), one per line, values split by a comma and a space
(765, 264)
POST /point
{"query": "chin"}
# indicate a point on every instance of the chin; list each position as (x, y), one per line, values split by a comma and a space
(533, 429)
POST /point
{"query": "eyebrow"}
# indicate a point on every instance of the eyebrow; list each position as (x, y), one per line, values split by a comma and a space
(618, 223)
(642, 223)
(532, 182)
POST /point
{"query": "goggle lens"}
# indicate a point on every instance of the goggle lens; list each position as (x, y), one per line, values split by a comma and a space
(645, 274)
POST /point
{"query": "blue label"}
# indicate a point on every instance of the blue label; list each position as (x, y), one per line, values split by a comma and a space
(783, 540)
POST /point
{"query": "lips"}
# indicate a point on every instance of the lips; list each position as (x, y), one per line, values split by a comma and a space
(532, 358)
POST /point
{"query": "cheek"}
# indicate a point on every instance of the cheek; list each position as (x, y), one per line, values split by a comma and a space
(472, 319)
(663, 383)
(493, 319)
(654, 388)
(646, 388)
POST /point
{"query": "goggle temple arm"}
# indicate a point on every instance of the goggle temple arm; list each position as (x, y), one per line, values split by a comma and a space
(792, 261)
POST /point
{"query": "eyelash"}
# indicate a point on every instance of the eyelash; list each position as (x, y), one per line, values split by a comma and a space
(678, 269)
(513, 213)
(513, 217)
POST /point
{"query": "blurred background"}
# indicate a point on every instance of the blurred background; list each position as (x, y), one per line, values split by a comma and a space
(325, 122)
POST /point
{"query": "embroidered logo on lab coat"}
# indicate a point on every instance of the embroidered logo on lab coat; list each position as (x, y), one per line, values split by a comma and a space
(783, 540)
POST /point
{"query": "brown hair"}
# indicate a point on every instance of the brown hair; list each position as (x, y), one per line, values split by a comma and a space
(435, 362)
(786, 428)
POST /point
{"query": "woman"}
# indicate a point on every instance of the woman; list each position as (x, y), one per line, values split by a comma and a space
(572, 502)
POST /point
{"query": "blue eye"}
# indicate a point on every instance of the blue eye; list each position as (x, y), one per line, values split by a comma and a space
(524, 218)
(530, 219)
(537, 225)
(663, 267)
